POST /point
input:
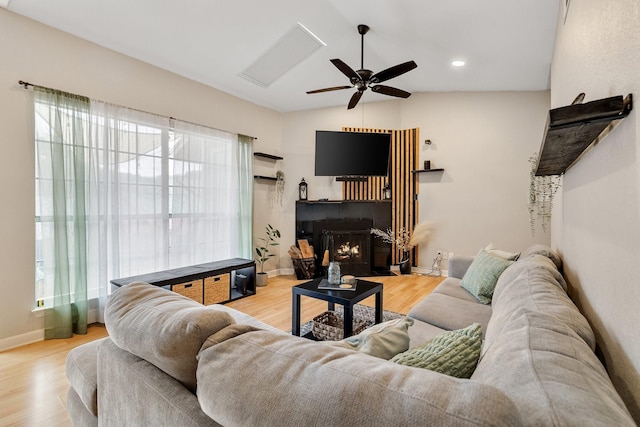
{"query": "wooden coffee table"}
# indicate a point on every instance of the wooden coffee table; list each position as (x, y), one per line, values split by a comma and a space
(347, 299)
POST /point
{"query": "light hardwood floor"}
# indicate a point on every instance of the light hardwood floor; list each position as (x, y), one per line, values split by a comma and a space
(33, 385)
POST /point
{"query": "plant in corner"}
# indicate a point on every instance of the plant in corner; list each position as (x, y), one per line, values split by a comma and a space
(263, 254)
(542, 190)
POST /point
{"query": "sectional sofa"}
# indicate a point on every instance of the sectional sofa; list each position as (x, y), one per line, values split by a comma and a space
(170, 361)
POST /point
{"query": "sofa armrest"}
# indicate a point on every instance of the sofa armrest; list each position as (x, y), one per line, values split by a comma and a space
(458, 265)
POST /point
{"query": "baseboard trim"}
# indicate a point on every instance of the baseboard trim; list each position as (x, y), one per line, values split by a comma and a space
(420, 270)
(37, 335)
(22, 339)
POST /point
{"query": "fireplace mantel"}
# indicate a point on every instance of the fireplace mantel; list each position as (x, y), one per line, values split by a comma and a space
(378, 211)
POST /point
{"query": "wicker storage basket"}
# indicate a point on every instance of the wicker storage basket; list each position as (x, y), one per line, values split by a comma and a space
(217, 289)
(191, 290)
(305, 268)
(329, 326)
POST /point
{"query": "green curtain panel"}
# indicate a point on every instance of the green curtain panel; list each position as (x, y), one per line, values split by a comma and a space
(61, 160)
(245, 184)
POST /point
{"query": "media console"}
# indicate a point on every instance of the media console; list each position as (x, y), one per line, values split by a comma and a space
(210, 283)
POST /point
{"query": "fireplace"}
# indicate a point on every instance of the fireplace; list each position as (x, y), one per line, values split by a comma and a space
(348, 223)
(348, 242)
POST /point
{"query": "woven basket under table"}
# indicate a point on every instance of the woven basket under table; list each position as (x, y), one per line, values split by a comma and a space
(329, 326)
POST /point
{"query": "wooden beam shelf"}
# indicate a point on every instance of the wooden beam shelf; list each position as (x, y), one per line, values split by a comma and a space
(572, 129)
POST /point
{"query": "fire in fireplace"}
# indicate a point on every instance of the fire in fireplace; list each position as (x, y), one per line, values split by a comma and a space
(348, 242)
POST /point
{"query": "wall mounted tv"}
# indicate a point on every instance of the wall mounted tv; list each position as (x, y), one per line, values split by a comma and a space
(352, 153)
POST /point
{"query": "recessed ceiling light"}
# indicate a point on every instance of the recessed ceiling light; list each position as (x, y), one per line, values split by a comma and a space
(458, 63)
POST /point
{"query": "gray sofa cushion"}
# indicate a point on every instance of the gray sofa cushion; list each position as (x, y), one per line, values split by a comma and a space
(551, 374)
(282, 380)
(133, 392)
(535, 282)
(545, 251)
(450, 313)
(452, 287)
(78, 412)
(162, 327)
(82, 372)
(422, 332)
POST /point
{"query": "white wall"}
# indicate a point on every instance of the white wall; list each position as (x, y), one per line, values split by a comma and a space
(597, 228)
(482, 140)
(33, 52)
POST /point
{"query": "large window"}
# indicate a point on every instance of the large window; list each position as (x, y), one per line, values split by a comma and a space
(137, 193)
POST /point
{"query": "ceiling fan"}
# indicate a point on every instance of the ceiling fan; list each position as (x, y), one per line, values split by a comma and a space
(364, 79)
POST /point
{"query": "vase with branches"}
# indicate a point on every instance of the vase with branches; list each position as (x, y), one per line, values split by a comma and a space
(542, 190)
(405, 240)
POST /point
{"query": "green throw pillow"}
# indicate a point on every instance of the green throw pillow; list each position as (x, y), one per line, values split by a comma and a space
(453, 353)
(482, 275)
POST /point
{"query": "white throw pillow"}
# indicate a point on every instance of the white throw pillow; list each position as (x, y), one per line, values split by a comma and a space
(383, 340)
(509, 256)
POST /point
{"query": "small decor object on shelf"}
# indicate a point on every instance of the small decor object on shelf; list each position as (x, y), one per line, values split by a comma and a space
(271, 239)
(542, 189)
(302, 190)
(386, 192)
(427, 165)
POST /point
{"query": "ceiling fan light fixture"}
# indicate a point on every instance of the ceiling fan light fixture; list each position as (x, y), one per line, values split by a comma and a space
(364, 79)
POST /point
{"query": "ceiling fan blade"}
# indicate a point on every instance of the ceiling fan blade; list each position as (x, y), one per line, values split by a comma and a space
(391, 91)
(392, 72)
(329, 89)
(346, 70)
(354, 99)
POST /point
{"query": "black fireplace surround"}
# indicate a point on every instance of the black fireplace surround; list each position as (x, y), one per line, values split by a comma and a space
(343, 229)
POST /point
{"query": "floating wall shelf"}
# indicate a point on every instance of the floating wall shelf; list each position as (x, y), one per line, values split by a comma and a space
(267, 156)
(268, 178)
(427, 170)
(352, 178)
(570, 131)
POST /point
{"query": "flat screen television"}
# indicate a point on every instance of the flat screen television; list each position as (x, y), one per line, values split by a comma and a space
(352, 153)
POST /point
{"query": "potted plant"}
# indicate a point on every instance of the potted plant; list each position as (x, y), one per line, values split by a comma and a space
(263, 254)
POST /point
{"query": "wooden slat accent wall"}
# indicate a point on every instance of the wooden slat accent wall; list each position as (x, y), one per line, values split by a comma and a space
(404, 191)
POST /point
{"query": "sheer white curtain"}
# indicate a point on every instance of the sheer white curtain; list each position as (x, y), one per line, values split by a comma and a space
(127, 200)
(205, 195)
(156, 193)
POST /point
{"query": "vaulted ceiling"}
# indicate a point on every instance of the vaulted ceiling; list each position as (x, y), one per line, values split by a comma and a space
(506, 44)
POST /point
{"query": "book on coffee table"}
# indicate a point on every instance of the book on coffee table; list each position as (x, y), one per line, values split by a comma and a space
(324, 284)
